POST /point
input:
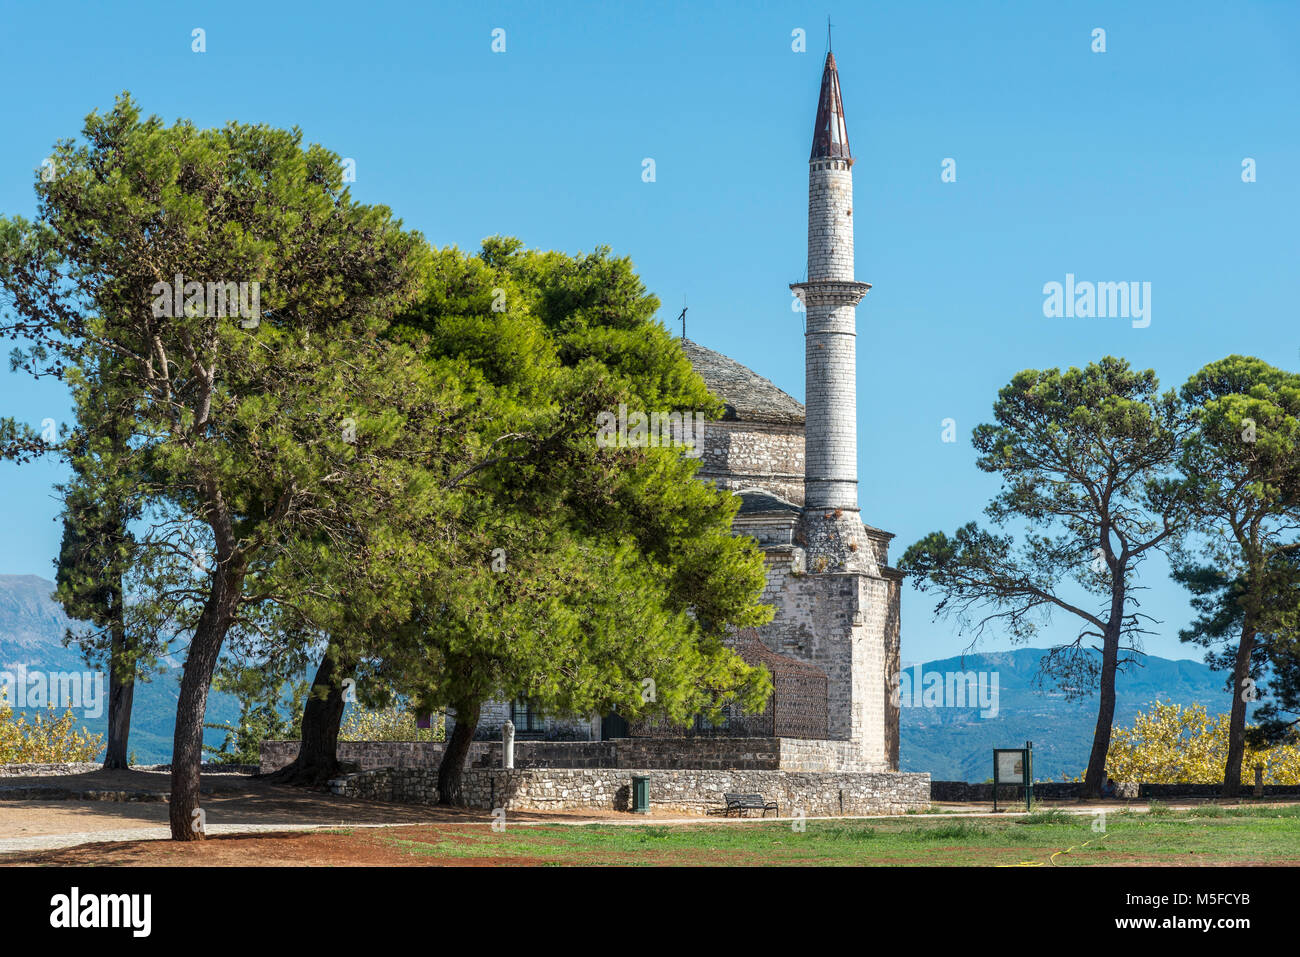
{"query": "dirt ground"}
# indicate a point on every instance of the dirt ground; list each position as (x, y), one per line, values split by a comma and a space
(226, 799)
(315, 848)
(124, 833)
(229, 801)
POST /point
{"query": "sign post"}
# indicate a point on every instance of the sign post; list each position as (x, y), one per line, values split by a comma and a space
(1014, 766)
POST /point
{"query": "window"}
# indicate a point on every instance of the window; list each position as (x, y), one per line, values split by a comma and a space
(525, 715)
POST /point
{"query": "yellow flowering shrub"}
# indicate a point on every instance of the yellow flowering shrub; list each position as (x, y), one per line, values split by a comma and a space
(387, 724)
(55, 739)
(1170, 744)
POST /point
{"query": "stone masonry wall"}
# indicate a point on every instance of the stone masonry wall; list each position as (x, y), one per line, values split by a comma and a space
(705, 753)
(770, 456)
(830, 219)
(830, 342)
(959, 791)
(365, 754)
(688, 791)
(844, 624)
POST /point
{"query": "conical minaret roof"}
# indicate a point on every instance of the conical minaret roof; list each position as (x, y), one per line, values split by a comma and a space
(830, 135)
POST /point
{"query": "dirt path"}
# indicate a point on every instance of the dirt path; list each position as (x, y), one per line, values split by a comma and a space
(232, 803)
(359, 848)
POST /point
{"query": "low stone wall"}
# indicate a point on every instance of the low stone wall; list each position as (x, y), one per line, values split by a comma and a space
(48, 770)
(750, 754)
(364, 754)
(38, 792)
(547, 754)
(957, 791)
(687, 791)
(89, 767)
(699, 753)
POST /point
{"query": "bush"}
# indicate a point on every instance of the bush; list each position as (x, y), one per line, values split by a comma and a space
(41, 739)
(1170, 744)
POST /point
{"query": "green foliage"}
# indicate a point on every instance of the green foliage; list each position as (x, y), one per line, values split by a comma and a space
(1052, 815)
(279, 458)
(1242, 464)
(613, 565)
(1171, 744)
(44, 738)
(270, 709)
(955, 831)
(1086, 459)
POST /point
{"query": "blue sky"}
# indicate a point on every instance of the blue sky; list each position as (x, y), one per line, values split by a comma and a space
(1116, 166)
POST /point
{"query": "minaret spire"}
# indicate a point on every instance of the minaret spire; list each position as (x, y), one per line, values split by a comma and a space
(830, 134)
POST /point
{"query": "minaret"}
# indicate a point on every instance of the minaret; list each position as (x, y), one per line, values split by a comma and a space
(830, 295)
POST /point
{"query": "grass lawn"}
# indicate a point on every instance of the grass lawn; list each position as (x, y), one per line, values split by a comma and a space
(1206, 835)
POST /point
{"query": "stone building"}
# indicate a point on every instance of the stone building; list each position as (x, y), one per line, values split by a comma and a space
(836, 599)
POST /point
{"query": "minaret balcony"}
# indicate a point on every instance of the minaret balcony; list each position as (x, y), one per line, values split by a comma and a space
(830, 292)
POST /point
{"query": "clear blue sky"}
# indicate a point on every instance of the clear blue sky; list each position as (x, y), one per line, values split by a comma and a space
(1123, 165)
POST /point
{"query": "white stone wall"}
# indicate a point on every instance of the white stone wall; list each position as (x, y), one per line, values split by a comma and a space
(741, 455)
(830, 350)
(831, 403)
(696, 753)
(688, 791)
(845, 623)
(830, 220)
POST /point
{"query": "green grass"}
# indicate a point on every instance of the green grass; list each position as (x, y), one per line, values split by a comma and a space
(1204, 835)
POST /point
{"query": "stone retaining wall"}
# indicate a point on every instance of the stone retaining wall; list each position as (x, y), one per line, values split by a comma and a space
(698, 753)
(55, 793)
(88, 767)
(1071, 790)
(48, 770)
(687, 791)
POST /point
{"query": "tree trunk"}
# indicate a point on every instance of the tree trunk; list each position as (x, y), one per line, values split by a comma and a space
(187, 746)
(1093, 778)
(318, 760)
(121, 687)
(1237, 718)
(457, 750)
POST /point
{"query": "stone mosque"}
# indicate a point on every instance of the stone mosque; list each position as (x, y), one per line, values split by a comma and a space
(834, 641)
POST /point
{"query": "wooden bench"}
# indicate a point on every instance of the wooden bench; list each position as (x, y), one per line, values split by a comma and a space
(748, 802)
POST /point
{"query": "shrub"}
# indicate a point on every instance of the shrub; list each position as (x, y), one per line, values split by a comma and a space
(44, 738)
(1170, 744)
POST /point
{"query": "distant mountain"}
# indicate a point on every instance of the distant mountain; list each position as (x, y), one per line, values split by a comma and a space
(32, 626)
(956, 743)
